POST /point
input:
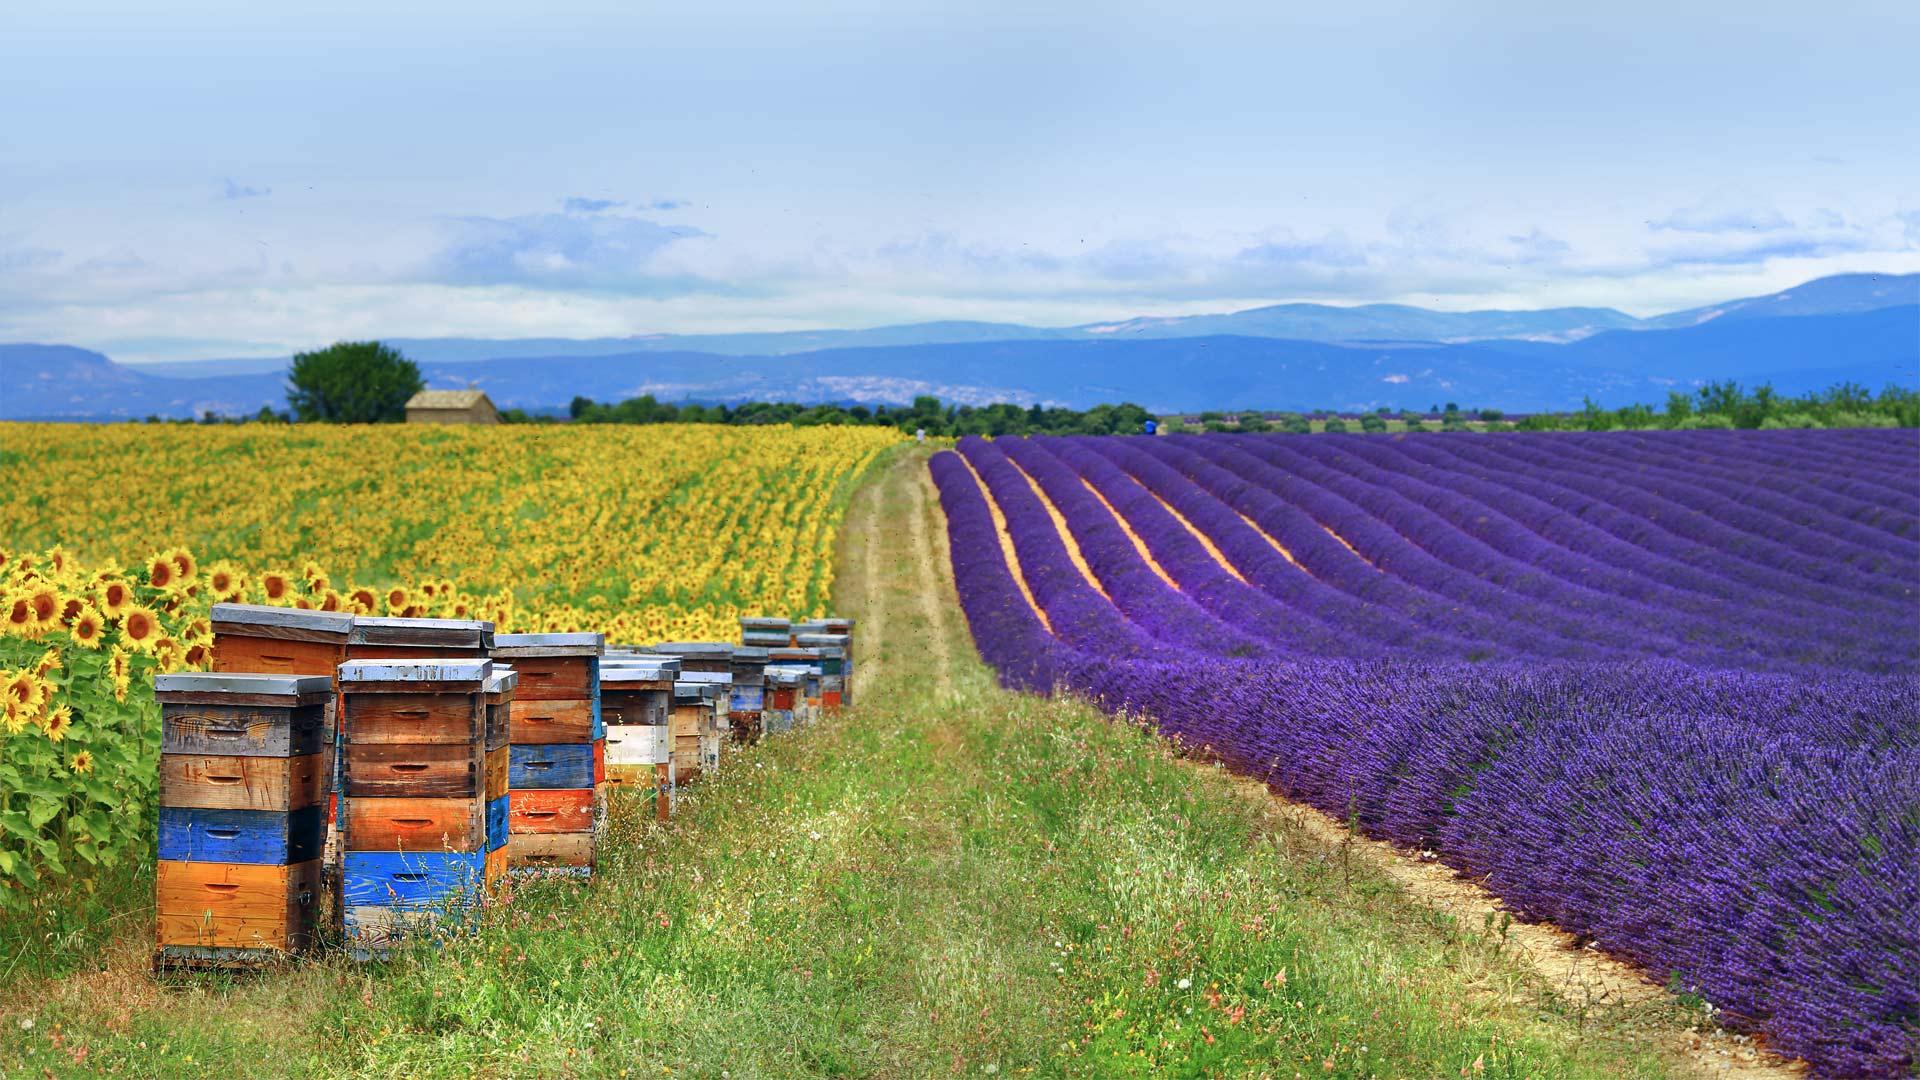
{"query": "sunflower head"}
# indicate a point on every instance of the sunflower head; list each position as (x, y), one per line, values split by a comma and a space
(331, 601)
(119, 664)
(224, 581)
(59, 559)
(59, 721)
(198, 657)
(24, 690)
(88, 629)
(315, 577)
(182, 560)
(20, 617)
(275, 585)
(365, 600)
(48, 663)
(161, 572)
(70, 606)
(46, 603)
(397, 599)
(167, 652)
(115, 596)
(140, 629)
(81, 762)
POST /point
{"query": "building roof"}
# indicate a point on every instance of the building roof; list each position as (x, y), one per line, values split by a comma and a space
(447, 399)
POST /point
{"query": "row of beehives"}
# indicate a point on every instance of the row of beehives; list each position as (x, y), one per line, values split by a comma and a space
(381, 775)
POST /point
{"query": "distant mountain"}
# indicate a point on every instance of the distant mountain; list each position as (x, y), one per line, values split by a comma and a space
(59, 381)
(1807, 348)
(1366, 324)
(1838, 295)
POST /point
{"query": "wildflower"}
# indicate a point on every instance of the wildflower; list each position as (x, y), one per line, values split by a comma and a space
(1185, 984)
(81, 762)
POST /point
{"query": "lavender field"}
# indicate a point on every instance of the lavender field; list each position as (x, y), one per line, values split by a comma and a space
(1661, 689)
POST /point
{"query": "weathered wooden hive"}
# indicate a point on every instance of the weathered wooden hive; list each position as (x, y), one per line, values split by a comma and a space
(806, 706)
(748, 668)
(767, 633)
(557, 771)
(415, 799)
(833, 670)
(242, 817)
(785, 689)
(836, 624)
(636, 700)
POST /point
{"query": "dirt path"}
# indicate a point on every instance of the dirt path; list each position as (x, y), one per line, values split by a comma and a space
(936, 602)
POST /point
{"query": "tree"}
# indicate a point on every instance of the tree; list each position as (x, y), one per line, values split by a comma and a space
(1373, 422)
(1336, 425)
(352, 382)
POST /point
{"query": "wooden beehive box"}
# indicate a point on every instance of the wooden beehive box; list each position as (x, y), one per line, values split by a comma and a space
(385, 638)
(833, 652)
(636, 698)
(807, 696)
(748, 693)
(242, 817)
(693, 728)
(414, 799)
(557, 763)
(709, 656)
(717, 722)
(836, 624)
(785, 687)
(766, 633)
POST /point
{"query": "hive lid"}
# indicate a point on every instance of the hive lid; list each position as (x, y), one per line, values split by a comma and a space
(549, 644)
(761, 622)
(503, 680)
(331, 623)
(721, 678)
(615, 674)
(476, 672)
(425, 633)
(692, 648)
(243, 683)
(750, 654)
(781, 675)
(837, 625)
(695, 691)
(810, 626)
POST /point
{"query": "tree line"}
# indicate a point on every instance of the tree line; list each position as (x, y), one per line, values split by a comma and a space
(927, 413)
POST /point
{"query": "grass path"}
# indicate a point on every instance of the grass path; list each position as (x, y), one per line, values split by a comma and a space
(945, 880)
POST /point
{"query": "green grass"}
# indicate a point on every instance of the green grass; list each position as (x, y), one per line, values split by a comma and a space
(947, 879)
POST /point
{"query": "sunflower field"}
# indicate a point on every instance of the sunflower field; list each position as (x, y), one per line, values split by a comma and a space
(116, 540)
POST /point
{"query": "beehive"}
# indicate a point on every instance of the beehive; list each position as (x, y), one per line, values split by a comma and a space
(287, 641)
(766, 633)
(415, 800)
(717, 722)
(242, 817)
(833, 655)
(709, 656)
(807, 696)
(556, 772)
(694, 728)
(749, 667)
(636, 700)
(836, 624)
(785, 687)
(386, 638)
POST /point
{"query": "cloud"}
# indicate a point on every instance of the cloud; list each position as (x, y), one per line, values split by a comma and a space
(594, 251)
(578, 204)
(1395, 379)
(1700, 219)
(232, 191)
(666, 204)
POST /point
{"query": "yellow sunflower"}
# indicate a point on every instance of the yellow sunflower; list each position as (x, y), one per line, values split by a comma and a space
(20, 621)
(46, 603)
(140, 629)
(182, 560)
(365, 600)
(198, 657)
(275, 585)
(167, 652)
(24, 691)
(81, 762)
(316, 578)
(115, 597)
(88, 628)
(119, 663)
(225, 582)
(162, 573)
(397, 599)
(49, 662)
(59, 559)
(120, 687)
(59, 722)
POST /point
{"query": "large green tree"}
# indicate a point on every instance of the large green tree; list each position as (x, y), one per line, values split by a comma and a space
(352, 382)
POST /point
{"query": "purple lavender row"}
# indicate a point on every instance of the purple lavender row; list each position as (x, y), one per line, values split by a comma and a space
(1198, 574)
(1079, 615)
(1376, 627)
(1008, 634)
(1140, 594)
(1835, 561)
(1758, 630)
(1520, 586)
(1858, 494)
(1664, 526)
(1882, 458)
(1323, 557)
(1578, 524)
(1776, 494)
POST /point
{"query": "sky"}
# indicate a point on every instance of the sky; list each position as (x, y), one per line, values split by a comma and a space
(200, 179)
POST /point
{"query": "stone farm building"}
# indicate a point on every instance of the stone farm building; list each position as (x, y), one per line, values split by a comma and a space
(451, 407)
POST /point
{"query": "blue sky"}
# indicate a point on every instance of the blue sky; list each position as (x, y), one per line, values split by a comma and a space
(213, 179)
